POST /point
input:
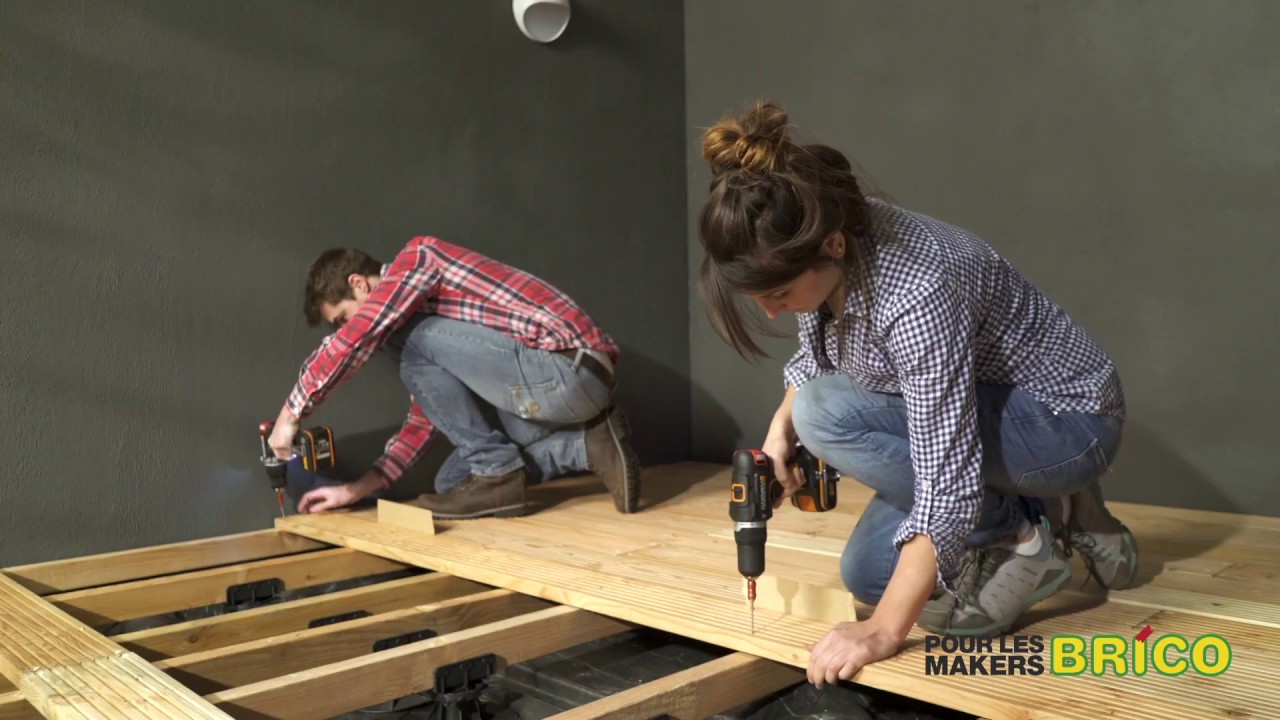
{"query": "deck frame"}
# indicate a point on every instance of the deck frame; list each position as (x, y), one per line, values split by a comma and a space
(276, 660)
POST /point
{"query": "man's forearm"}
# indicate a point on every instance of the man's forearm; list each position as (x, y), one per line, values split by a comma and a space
(913, 581)
(407, 446)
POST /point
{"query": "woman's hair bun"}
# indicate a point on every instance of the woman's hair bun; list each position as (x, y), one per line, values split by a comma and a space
(755, 141)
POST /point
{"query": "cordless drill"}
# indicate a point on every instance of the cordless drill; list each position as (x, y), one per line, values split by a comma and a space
(754, 491)
(313, 445)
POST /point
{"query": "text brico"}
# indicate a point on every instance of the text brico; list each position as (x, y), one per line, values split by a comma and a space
(1207, 655)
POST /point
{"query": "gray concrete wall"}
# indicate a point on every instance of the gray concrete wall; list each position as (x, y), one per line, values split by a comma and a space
(1122, 155)
(171, 167)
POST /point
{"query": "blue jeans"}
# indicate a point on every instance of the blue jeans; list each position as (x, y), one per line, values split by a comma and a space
(501, 403)
(1029, 453)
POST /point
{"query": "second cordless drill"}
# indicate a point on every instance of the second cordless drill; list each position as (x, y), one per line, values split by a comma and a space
(753, 492)
(314, 446)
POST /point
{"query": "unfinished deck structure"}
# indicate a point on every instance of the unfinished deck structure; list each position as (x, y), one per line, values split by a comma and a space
(514, 589)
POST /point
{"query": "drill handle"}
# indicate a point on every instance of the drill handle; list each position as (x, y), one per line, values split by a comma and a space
(818, 493)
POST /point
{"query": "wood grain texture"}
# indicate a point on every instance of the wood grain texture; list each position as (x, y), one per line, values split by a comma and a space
(106, 568)
(265, 642)
(143, 598)
(66, 670)
(672, 567)
(404, 515)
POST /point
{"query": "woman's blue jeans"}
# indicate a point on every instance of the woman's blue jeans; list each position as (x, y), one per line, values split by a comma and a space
(1030, 453)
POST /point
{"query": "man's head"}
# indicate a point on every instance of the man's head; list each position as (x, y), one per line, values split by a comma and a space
(338, 282)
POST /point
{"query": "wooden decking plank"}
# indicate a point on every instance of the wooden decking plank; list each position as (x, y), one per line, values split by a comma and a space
(351, 684)
(219, 631)
(87, 571)
(65, 669)
(663, 569)
(144, 598)
(698, 692)
(15, 706)
(1248, 595)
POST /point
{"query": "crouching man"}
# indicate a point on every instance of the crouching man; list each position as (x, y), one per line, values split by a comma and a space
(510, 369)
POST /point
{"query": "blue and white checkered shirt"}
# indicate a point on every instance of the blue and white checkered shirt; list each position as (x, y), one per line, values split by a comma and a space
(932, 311)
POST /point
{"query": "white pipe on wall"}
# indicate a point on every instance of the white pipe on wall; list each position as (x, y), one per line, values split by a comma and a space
(541, 20)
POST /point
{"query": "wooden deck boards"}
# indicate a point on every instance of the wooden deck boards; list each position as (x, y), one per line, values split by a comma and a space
(66, 670)
(672, 567)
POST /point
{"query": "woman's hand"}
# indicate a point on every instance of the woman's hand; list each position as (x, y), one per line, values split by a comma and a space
(847, 648)
(850, 646)
(780, 445)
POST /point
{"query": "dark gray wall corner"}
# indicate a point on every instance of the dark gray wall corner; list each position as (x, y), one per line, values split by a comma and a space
(171, 168)
(1122, 155)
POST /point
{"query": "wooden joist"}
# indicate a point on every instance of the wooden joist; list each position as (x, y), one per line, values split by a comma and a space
(221, 631)
(184, 591)
(258, 660)
(108, 568)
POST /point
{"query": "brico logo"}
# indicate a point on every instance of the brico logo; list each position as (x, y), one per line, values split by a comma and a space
(1170, 654)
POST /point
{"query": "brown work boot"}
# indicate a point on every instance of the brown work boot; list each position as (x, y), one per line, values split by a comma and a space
(479, 496)
(610, 455)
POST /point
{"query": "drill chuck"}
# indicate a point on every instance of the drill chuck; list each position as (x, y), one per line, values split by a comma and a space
(277, 471)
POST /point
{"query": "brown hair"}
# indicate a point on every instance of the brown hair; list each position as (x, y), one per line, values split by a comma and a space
(772, 203)
(327, 279)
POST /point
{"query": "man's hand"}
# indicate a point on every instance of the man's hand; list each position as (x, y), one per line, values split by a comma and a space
(282, 435)
(847, 648)
(340, 496)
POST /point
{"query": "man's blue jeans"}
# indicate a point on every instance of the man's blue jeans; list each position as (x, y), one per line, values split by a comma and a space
(1029, 453)
(501, 403)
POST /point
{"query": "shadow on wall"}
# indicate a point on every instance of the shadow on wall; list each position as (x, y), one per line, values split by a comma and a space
(717, 429)
(655, 398)
(356, 453)
(1156, 474)
(1150, 472)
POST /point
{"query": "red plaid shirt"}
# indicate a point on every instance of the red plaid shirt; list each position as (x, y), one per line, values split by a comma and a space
(433, 276)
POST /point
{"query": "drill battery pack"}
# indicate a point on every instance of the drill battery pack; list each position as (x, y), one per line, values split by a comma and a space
(818, 494)
(315, 448)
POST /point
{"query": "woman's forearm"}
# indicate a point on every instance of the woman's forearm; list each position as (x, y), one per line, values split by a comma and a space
(913, 581)
(782, 417)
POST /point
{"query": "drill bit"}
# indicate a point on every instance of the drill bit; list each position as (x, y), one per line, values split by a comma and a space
(280, 500)
(751, 598)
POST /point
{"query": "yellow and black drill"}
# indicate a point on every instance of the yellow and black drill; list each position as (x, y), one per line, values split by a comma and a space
(313, 445)
(754, 491)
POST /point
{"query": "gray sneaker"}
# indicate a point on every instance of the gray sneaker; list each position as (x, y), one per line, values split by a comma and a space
(998, 585)
(937, 610)
(1107, 547)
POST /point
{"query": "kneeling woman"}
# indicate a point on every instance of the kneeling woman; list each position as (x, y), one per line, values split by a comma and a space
(980, 414)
